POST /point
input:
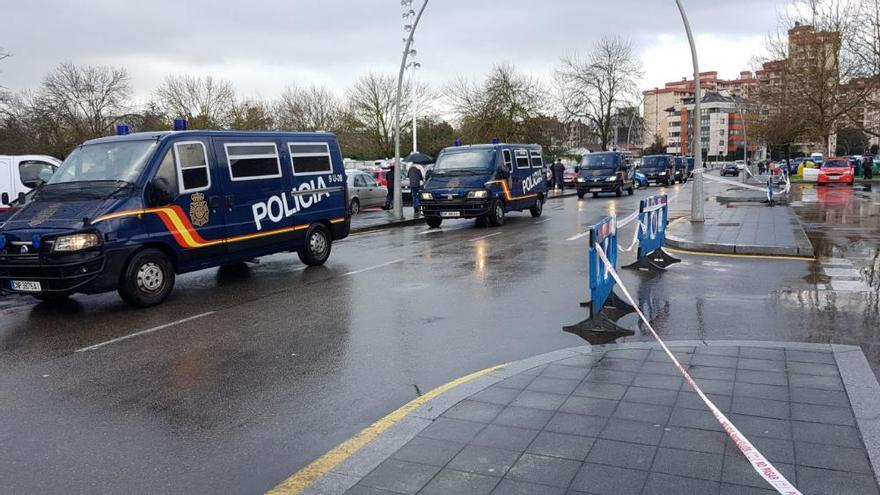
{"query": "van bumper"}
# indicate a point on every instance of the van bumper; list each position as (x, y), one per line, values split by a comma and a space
(340, 229)
(465, 208)
(597, 187)
(89, 272)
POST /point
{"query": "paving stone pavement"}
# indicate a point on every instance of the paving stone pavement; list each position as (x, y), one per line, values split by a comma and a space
(621, 420)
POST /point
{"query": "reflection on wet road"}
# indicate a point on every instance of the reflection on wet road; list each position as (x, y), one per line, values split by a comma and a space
(283, 362)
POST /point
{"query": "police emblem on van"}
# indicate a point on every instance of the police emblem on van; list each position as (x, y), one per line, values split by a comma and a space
(199, 214)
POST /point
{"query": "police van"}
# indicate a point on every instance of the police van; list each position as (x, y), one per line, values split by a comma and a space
(484, 182)
(129, 212)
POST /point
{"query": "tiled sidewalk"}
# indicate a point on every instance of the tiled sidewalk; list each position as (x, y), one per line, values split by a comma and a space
(621, 420)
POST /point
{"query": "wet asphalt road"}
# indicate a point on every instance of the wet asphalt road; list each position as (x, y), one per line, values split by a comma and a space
(283, 363)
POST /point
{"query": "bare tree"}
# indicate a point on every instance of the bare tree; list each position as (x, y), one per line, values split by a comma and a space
(207, 103)
(599, 86)
(507, 105)
(370, 106)
(252, 115)
(87, 100)
(313, 108)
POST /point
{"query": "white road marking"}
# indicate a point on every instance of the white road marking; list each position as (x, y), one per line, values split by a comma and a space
(485, 237)
(144, 332)
(542, 221)
(374, 267)
(579, 236)
(431, 231)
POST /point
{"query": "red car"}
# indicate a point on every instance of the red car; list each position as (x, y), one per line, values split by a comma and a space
(569, 177)
(836, 171)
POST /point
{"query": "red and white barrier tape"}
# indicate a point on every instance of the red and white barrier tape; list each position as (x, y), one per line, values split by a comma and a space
(760, 463)
(745, 186)
(635, 240)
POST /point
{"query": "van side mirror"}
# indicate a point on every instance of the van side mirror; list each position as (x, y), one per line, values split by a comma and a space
(503, 171)
(161, 193)
(21, 198)
(577, 170)
(4, 199)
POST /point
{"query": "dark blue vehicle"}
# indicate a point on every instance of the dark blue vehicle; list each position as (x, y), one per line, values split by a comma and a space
(130, 212)
(605, 172)
(658, 169)
(485, 182)
(682, 174)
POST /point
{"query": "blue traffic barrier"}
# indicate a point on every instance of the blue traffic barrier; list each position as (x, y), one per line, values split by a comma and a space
(653, 220)
(605, 307)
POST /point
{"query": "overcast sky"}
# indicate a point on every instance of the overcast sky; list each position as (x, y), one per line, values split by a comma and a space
(264, 45)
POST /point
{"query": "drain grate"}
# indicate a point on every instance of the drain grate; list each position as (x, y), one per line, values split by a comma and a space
(729, 224)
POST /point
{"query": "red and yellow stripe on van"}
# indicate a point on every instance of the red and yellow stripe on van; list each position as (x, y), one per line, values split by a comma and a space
(506, 190)
(180, 227)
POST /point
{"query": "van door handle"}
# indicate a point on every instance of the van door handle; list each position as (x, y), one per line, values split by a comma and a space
(214, 201)
(230, 200)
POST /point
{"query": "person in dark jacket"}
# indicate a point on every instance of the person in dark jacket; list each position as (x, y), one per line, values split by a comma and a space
(415, 185)
(559, 174)
(390, 177)
(868, 167)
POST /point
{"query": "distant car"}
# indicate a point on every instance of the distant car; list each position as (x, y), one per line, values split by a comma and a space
(365, 192)
(570, 176)
(641, 180)
(836, 171)
(730, 169)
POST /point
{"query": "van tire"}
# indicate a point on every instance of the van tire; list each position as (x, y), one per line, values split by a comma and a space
(316, 245)
(619, 191)
(496, 214)
(147, 280)
(434, 222)
(538, 208)
(354, 207)
(630, 191)
(595, 195)
(581, 194)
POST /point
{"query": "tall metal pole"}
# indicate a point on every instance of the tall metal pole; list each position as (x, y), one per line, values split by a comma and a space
(697, 213)
(398, 194)
(415, 113)
(745, 147)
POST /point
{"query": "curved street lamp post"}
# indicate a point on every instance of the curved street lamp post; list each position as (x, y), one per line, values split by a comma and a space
(697, 213)
(398, 195)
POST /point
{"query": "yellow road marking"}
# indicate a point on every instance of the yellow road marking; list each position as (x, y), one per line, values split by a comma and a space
(731, 255)
(303, 478)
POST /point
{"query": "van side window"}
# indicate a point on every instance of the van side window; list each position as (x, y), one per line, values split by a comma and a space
(192, 166)
(252, 161)
(522, 159)
(537, 160)
(310, 158)
(168, 172)
(507, 159)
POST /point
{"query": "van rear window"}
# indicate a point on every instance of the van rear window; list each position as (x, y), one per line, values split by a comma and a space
(310, 158)
(249, 161)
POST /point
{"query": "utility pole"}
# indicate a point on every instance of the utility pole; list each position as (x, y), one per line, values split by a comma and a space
(697, 212)
(411, 28)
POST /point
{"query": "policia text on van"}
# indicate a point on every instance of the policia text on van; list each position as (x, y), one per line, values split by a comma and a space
(485, 182)
(129, 212)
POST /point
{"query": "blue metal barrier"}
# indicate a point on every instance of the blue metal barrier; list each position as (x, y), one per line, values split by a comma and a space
(653, 219)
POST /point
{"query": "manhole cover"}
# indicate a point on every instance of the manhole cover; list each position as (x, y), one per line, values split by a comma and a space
(729, 224)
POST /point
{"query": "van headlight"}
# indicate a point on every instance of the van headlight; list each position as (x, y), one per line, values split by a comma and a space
(426, 196)
(481, 194)
(75, 242)
(581, 179)
(662, 173)
(611, 179)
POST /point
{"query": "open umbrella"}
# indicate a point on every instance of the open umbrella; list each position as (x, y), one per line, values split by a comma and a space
(419, 159)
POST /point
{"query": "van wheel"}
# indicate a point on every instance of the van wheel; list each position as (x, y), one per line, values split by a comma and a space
(354, 207)
(619, 191)
(434, 222)
(316, 245)
(581, 194)
(496, 214)
(147, 279)
(538, 208)
(595, 195)
(630, 191)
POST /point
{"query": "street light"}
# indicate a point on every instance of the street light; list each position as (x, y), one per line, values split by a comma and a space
(697, 213)
(411, 29)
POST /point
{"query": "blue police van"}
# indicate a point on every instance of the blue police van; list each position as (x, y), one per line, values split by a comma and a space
(129, 212)
(658, 169)
(606, 172)
(683, 168)
(485, 182)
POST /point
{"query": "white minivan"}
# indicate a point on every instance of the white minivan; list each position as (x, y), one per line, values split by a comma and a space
(21, 173)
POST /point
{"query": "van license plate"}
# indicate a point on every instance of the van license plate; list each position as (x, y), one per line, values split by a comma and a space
(26, 286)
(450, 214)
(596, 189)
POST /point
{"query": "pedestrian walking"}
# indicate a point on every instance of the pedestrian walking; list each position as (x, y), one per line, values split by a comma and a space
(390, 177)
(415, 186)
(868, 166)
(559, 174)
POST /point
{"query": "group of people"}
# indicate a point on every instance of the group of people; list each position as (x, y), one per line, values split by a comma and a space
(416, 179)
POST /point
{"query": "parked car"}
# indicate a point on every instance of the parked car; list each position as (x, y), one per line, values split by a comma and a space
(836, 171)
(19, 174)
(730, 169)
(365, 192)
(570, 176)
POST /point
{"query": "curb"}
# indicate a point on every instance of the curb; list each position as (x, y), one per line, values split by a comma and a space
(859, 383)
(420, 220)
(804, 247)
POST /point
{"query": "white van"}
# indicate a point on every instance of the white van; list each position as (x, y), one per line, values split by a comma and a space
(21, 173)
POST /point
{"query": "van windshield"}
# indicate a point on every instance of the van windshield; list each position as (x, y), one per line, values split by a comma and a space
(465, 163)
(654, 163)
(121, 161)
(600, 161)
